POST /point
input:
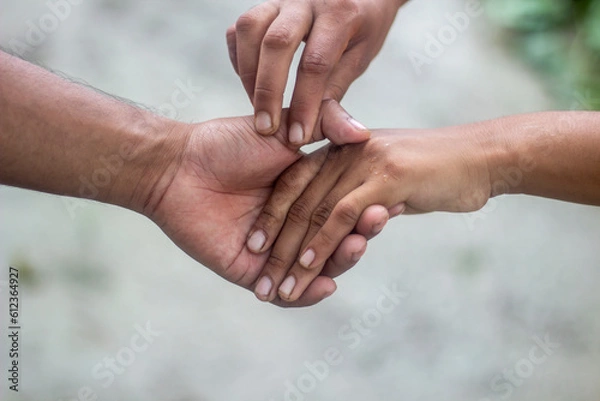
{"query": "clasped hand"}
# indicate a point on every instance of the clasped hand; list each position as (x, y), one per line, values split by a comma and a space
(224, 175)
(319, 200)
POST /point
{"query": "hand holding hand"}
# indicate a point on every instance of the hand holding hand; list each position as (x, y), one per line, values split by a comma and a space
(208, 202)
(408, 171)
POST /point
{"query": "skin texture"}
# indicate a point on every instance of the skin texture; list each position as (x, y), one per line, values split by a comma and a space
(204, 184)
(342, 37)
(454, 169)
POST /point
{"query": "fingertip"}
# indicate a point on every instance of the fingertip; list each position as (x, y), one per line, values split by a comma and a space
(378, 227)
(372, 221)
(355, 136)
(296, 134)
(264, 124)
(357, 125)
(340, 127)
(286, 289)
(320, 288)
(343, 259)
(397, 210)
(256, 241)
(230, 33)
(263, 289)
(231, 39)
(307, 258)
(356, 256)
(330, 291)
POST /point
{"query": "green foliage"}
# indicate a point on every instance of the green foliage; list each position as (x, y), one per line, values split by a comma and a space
(561, 39)
(530, 15)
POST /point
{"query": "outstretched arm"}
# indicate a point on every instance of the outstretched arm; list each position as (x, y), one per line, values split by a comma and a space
(456, 169)
(63, 138)
(553, 155)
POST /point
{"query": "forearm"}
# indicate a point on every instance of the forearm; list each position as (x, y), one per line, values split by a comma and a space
(552, 154)
(63, 138)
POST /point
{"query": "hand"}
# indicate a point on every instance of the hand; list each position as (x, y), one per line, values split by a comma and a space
(405, 171)
(342, 37)
(211, 199)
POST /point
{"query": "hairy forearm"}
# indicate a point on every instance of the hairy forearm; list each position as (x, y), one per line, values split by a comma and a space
(552, 154)
(63, 138)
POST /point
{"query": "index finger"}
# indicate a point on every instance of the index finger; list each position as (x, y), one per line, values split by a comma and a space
(323, 50)
(280, 42)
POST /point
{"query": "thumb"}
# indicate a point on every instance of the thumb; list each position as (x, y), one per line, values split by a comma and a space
(338, 126)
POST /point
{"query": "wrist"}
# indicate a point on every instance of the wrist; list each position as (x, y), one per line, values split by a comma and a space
(150, 154)
(506, 161)
(487, 154)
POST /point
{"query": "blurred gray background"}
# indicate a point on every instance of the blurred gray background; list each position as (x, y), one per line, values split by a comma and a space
(479, 291)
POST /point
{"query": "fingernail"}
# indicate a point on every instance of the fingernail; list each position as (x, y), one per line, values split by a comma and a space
(263, 288)
(356, 124)
(397, 210)
(256, 241)
(357, 255)
(263, 122)
(286, 288)
(327, 295)
(307, 258)
(378, 227)
(296, 134)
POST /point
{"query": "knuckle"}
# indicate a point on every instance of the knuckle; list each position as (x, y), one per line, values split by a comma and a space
(299, 212)
(319, 217)
(276, 262)
(247, 22)
(335, 91)
(269, 218)
(303, 106)
(321, 214)
(361, 64)
(277, 39)
(248, 75)
(347, 213)
(334, 152)
(350, 9)
(326, 239)
(230, 33)
(376, 151)
(314, 63)
(264, 93)
(393, 169)
(289, 182)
